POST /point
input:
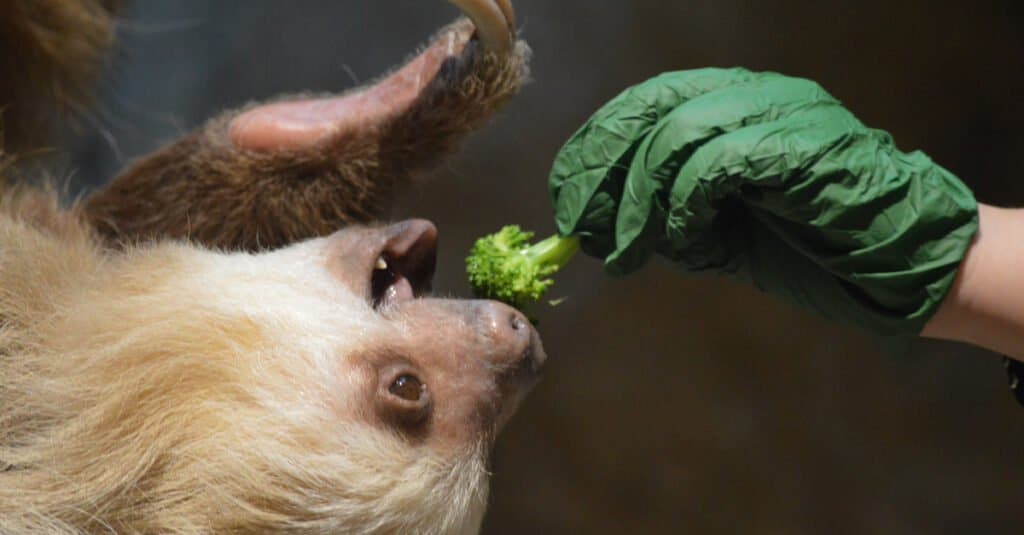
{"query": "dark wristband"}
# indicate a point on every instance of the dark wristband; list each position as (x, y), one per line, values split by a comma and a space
(1015, 373)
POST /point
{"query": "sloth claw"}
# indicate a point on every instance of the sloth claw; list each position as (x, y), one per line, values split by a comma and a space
(494, 21)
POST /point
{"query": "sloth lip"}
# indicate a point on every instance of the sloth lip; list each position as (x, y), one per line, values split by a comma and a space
(403, 267)
(390, 288)
(536, 357)
(519, 379)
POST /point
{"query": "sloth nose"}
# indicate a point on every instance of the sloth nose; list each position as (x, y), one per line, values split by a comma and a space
(516, 342)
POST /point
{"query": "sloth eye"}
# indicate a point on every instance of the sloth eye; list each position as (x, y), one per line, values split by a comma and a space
(407, 387)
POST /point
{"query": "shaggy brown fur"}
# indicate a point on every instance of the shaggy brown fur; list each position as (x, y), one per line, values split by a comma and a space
(51, 50)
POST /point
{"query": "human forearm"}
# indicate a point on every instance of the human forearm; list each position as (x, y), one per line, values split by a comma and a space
(985, 306)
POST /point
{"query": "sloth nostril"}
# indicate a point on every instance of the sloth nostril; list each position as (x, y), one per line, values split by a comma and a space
(517, 322)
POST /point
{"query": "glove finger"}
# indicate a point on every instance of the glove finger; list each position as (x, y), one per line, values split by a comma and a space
(586, 179)
(670, 143)
(751, 165)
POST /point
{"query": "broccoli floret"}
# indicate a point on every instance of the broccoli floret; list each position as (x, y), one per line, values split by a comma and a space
(504, 266)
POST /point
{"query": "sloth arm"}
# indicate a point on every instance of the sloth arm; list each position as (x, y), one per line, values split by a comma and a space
(275, 173)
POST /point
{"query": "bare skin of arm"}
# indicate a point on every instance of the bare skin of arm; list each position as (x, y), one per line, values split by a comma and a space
(985, 306)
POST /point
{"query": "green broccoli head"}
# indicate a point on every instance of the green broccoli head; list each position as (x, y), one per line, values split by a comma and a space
(506, 267)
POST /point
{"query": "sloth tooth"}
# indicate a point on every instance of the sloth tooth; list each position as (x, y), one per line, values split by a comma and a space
(381, 264)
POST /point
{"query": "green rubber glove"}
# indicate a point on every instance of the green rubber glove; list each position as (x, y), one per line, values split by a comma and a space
(769, 178)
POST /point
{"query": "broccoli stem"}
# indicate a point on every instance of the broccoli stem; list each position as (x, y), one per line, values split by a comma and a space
(555, 251)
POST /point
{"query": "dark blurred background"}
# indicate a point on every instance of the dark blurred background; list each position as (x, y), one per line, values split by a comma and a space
(672, 403)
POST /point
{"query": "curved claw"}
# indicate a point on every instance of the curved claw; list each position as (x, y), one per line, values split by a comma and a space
(510, 14)
(494, 21)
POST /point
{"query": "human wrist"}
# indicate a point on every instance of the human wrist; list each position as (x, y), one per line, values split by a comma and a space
(985, 305)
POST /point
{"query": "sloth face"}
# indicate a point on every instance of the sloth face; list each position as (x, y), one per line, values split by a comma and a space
(317, 386)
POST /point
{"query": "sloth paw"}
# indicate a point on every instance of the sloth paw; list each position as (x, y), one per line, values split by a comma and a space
(296, 125)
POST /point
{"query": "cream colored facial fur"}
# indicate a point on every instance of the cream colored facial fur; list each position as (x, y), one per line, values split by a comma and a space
(170, 388)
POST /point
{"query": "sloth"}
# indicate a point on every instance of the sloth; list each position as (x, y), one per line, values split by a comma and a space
(225, 339)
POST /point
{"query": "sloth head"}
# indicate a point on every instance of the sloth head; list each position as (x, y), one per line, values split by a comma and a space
(316, 387)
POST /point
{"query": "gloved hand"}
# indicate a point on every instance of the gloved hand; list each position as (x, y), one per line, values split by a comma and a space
(769, 178)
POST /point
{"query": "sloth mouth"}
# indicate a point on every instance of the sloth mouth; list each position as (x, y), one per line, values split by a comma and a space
(404, 266)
